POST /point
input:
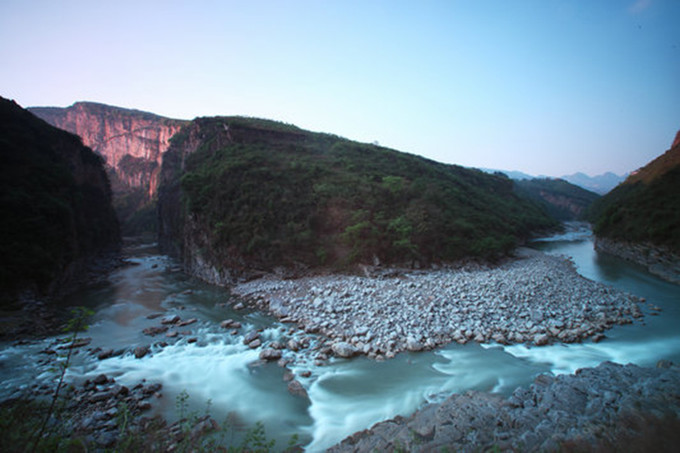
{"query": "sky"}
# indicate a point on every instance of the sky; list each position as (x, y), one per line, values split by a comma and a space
(547, 87)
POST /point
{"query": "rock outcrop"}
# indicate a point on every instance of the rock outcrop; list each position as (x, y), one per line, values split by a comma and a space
(608, 408)
(56, 209)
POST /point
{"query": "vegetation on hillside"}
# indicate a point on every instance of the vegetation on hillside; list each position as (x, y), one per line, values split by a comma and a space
(49, 218)
(276, 194)
(560, 199)
(642, 212)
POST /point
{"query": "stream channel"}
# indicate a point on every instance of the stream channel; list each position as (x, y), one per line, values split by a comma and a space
(345, 395)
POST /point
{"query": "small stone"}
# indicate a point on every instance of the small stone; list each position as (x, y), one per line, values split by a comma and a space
(100, 396)
(100, 379)
(105, 354)
(143, 405)
(151, 331)
(598, 337)
(170, 319)
(255, 344)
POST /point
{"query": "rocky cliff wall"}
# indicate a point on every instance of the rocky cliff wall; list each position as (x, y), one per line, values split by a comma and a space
(132, 142)
(180, 234)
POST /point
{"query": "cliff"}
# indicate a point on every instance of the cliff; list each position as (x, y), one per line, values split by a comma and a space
(562, 200)
(640, 219)
(131, 141)
(240, 196)
(56, 209)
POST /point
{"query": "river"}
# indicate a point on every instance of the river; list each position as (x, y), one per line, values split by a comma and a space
(346, 395)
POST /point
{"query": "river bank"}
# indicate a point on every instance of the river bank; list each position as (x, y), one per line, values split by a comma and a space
(534, 298)
(608, 408)
(659, 261)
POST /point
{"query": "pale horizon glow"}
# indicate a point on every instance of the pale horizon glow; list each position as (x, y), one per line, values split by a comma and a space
(546, 87)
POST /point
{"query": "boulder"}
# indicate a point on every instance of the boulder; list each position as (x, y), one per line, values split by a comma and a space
(270, 354)
(152, 331)
(413, 345)
(251, 336)
(141, 351)
(344, 349)
(295, 388)
(100, 379)
(541, 339)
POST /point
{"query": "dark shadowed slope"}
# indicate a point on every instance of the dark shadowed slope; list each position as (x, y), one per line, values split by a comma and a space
(55, 205)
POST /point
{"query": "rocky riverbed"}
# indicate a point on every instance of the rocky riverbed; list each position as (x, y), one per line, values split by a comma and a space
(608, 408)
(535, 298)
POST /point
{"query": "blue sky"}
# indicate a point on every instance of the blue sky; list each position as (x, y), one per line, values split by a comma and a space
(545, 86)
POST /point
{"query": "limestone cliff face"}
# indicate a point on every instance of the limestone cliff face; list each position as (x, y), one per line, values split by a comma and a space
(132, 142)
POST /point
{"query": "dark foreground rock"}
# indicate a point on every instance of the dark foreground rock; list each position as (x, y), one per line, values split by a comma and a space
(608, 408)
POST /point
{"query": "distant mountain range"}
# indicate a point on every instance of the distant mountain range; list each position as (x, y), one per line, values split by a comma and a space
(600, 184)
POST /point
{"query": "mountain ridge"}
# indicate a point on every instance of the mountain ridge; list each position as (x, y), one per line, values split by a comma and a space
(300, 199)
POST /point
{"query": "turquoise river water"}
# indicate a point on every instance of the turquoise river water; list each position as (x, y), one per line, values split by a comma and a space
(346, 395)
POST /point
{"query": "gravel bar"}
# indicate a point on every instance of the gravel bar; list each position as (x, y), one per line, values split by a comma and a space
(534, 298)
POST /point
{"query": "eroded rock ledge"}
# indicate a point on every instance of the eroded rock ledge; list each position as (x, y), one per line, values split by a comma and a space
(535, 298)
(608, 408)
(658, 260)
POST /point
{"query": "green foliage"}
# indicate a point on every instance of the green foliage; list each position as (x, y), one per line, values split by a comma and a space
(642, 212)
(274, 194)
(560, 199)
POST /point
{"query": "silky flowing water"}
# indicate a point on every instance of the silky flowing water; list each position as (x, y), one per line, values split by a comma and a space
(345, 395)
